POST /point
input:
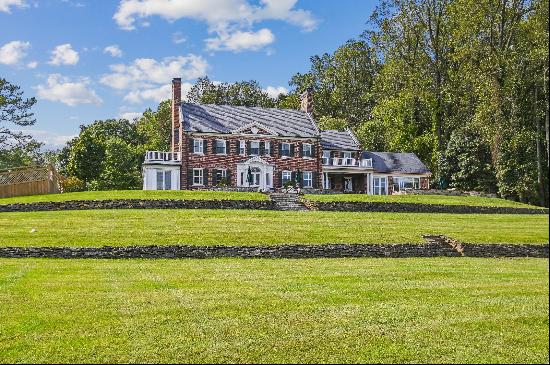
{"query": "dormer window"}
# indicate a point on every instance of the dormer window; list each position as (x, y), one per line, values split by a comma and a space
(285, 149)
(254, 148)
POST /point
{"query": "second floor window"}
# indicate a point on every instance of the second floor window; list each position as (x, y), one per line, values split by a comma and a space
(242, 148)
(326, 158)
(307, 150)
(254, 148)
(220, 147)
(267, 148)
(177, 135)
(285, 149)
(198, 146)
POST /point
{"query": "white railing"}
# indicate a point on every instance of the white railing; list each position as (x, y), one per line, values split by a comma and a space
(160, 156)
(347, 162)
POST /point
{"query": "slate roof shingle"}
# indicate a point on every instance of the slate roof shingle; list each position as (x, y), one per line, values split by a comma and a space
(336, 140)
(406, 163)
(212, 118)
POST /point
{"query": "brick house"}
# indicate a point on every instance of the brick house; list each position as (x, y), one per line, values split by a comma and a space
(266, 148)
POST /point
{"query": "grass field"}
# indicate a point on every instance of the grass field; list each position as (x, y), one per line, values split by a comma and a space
(419, 199)
(246, 227)
(249, 311)
(137, 194)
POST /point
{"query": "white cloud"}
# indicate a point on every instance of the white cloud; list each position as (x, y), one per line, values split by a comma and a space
(274, 92)
(240, 41)
(228, 19)
(13, 52)
(32, 65)
(51, 140)
(178, 38)
(6, 4)
(148, 72)
(131, 115)
(114, 50)
(63, 90)
(156, 94)
(64, 54)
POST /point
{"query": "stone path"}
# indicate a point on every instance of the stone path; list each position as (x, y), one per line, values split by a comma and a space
(287, 201)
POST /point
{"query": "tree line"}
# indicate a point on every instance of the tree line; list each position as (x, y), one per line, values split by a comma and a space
(461, 83)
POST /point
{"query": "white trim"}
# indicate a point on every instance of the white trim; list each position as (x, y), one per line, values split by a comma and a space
(201, 143)
(224, 147)
(252, 125)
(310, 150)
(201, 177)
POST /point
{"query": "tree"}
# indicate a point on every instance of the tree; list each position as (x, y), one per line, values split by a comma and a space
(120, 168)
(16, 110)
(155, 127)
(243, 93)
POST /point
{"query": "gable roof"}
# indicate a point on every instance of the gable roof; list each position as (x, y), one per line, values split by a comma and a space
(407, 163)
(333, 139)
(212, 118)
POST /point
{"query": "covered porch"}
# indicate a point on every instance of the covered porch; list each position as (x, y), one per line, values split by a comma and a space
(348, 182)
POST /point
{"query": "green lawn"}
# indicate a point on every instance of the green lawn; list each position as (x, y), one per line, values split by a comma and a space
(137, 194)
(263, 311)
(418, 199)
(246, 227)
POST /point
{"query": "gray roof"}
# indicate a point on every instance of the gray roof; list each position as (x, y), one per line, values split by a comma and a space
(212, 118)
(336, 140)
(406, 163)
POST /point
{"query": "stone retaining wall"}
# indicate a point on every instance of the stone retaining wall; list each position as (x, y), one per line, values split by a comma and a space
(417, 208)
(139, 204)
(430, 249)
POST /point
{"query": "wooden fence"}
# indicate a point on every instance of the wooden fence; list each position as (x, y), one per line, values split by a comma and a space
(30, 181)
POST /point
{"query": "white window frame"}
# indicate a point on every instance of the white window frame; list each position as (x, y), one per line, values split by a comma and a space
(198, 142)
(310, 150)
(377, 189)
(242, 148)
(309, 179)
(251, 148)
(200, 177)
(326, 157)
(283, 180)
(282, 149)
(224, 147)
(267, 147)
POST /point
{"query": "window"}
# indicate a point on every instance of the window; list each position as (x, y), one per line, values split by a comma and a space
(254, 148)
(267, 149)
(164, 180)
(307, 150)
(242, 148)
(220, 147)
(308, 179)
(198, 177)
(402, 183)
(285, 149)
(198, 146)
(379, 186)
(346, 160)
(221, 176)
(286, 176)
(326, 157)
(177, 135)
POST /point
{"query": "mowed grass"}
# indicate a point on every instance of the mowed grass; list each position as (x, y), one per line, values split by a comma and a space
(247, 227)
(419, 199)
(443, 310)
(137, 194)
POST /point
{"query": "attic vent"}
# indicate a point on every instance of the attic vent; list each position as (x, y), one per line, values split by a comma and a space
(395, 160)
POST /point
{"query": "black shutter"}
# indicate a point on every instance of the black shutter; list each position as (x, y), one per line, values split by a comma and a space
(204, 146)
(248, 148)
(293, 177)
(214, 177)
(191, 145)
(292, 149)
(227, 147)
(301, 150)
(280, 149)
(262, 148)
(314, 180)
(205, 177)
(190, 177)
(281, 178)
(228, 177)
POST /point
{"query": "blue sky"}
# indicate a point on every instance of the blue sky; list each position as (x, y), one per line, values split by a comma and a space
(96, 59)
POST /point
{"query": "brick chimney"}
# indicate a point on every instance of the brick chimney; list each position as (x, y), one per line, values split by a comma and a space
(176, 102)
(307, 100)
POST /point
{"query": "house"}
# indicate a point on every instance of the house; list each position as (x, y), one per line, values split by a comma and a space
(267, 148)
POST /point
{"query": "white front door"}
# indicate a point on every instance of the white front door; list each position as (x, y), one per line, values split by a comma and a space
(261, 174)
(348, 184)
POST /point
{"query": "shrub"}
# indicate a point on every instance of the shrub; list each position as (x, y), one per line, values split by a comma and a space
(73, 184)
